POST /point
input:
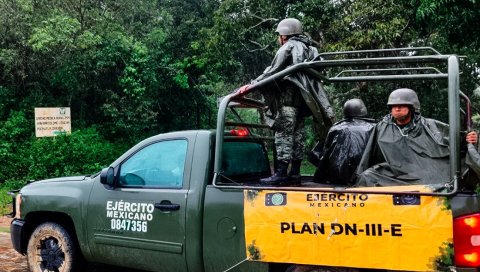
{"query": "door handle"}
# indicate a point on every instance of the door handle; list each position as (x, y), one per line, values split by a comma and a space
(167, 207)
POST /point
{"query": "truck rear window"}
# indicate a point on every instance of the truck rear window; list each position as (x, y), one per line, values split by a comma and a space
(244, 160)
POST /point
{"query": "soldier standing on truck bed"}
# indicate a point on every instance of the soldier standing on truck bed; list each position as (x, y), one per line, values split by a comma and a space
(289, 116)
(406, 148)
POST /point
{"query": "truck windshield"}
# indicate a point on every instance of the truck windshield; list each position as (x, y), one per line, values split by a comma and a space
(244, 160)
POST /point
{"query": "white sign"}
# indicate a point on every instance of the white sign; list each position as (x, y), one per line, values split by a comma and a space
(52, 121)
(129, 216)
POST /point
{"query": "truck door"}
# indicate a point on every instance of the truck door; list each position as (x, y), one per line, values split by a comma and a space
(141, 222)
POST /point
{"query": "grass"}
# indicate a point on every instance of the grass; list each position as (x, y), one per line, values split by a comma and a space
(7, 230)
(307, 168)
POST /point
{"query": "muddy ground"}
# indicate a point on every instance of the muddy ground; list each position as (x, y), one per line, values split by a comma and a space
(5, 222)
(12, 261)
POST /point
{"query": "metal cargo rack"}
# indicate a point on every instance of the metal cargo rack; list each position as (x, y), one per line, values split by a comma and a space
(385, 70)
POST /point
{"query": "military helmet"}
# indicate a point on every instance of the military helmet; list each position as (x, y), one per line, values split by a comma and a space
(404, 96)
(354, 108)
(289, 27)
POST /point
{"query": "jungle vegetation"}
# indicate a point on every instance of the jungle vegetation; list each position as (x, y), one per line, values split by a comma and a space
(133, 69)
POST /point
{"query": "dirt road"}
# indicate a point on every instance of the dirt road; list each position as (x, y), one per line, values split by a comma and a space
(11, 261)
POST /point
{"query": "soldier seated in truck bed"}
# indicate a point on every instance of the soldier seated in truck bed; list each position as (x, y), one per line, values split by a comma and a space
(406, 148)
(345, 144)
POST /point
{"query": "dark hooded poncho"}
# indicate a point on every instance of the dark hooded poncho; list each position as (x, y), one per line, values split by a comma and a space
(342, 150)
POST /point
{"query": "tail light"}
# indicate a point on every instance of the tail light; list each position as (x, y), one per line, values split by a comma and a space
(240, 133)
(466, 240)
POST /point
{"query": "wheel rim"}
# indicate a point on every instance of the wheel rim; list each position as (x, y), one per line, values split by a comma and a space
(50, 255)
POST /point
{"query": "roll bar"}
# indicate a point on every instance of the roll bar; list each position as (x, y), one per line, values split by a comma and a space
(315, 67)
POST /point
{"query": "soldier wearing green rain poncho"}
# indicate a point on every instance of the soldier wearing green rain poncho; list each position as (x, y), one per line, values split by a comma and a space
(290, 100)
(406, 148)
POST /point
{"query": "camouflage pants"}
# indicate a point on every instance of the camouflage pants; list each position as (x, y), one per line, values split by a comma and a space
(289, 134)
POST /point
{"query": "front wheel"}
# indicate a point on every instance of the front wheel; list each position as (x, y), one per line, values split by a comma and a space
(51, 249)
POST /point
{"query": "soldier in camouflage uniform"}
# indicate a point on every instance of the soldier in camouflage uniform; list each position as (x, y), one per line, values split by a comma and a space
(289, 140)
(289, 119)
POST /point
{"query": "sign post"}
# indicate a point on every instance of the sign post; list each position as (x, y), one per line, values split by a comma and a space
(52, 122)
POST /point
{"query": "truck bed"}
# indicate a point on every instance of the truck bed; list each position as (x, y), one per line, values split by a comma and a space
(306, 182)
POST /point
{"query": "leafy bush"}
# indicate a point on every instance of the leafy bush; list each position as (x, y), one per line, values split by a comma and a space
(24, 157)
(83, 152)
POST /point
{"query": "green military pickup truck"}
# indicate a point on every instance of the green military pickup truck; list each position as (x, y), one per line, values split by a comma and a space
(192, 201)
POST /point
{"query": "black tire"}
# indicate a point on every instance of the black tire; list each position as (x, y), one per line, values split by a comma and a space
(51, 249)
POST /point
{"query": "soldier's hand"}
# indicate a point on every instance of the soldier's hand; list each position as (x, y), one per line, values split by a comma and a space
(243, 88)
(472, 137)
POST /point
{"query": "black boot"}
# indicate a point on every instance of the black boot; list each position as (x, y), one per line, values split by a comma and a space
(279, 176)
(294, 175)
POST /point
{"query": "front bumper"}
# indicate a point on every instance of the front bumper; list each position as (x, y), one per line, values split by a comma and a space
(16, 234)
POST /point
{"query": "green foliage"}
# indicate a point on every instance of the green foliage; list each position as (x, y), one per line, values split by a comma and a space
(5, 202)
(307, 168)
(13, 135)
(82, 152)
(25, 157)
(59, 30)
(453, 19)
(132, 69)
(135, 74)
(7, 101)
(370, 24)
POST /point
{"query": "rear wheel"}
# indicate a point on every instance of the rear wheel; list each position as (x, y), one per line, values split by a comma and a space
(51, 249)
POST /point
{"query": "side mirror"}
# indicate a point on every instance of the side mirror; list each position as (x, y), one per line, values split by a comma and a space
(106, 176)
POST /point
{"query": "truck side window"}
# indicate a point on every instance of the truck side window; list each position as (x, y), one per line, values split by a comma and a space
(157, 165)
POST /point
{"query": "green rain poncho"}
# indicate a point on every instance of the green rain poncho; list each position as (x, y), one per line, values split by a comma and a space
(298, 50)
(419, 156)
